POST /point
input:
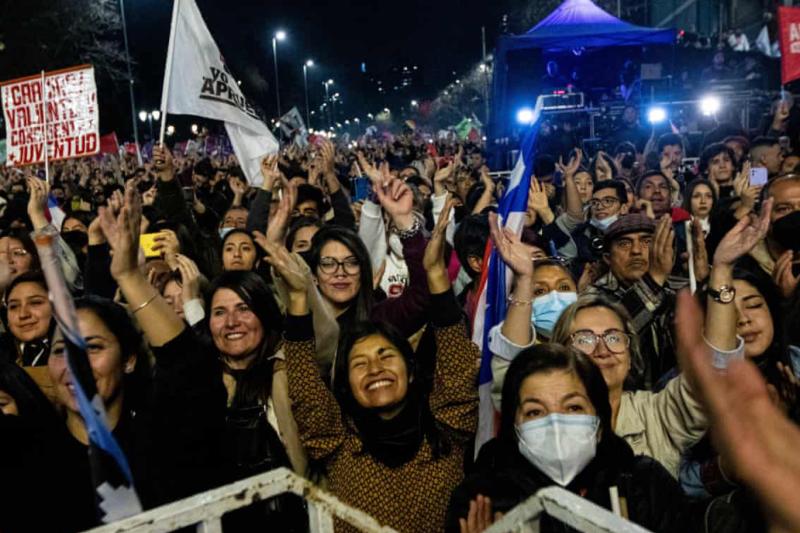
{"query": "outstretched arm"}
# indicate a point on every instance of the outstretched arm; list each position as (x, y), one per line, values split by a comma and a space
(158, 321)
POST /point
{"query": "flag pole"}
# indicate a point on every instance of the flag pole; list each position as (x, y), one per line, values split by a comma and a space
(44, 131)
(168, 70)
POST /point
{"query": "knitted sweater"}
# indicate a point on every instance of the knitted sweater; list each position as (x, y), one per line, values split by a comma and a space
(414, 496)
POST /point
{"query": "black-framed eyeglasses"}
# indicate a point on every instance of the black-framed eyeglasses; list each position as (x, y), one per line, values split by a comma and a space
(586, 341)
(329, 265)
(608, 201)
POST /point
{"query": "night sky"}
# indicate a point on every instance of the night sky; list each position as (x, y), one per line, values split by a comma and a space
(440, 37)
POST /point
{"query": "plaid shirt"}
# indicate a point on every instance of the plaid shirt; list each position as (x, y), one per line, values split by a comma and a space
(652, 311)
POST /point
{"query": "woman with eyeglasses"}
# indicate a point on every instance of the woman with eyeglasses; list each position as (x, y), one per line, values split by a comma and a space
(662, 424)
(341, 266)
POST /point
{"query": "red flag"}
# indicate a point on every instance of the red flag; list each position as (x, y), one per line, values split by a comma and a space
(789, 29)
(109, 144)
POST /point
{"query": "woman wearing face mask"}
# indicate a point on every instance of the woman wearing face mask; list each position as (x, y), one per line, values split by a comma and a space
(556, 429)
(379, 433)
(663, 424)
(699, 200)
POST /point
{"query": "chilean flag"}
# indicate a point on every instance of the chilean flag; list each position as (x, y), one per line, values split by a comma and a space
(495, 277)
(54, 214)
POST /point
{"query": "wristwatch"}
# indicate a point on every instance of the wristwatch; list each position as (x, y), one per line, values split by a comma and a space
(724, 295)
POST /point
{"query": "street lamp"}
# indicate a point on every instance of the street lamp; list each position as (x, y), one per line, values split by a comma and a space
(327, 84)
(148, 117)
(280, 35)
(308, 64)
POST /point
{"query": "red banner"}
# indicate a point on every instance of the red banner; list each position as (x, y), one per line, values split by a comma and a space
(57, 111)
(109, 144)
(789, 28)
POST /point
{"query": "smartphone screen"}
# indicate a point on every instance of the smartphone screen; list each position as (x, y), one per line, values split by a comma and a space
(758, 176)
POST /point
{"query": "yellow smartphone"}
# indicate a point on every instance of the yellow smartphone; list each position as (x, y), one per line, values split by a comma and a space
(147, 242)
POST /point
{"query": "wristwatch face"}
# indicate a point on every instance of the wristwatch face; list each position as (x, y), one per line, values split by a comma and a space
(725, 294)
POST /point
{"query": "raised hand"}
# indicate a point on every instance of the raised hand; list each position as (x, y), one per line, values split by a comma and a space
(279, 222)
(662, 254)
(149, 196)
(480, 516)
(190, 277)
(443, 176)
(327, 154)
(574, 164)
(700, 253)
(783, 276)
(743, 236)
(434, 251)
(270, 172)
(397, 200)
(290, 267)
(510, 248)
(122, 233)
(602, 169)
(38, 190)
(369, 169)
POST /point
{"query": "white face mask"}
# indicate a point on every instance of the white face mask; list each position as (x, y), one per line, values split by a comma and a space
(604, 224)
(224, 231)
(560, 446)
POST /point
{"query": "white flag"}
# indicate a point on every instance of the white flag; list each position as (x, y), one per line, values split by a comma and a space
(198, 82)
(764, 45)
(294, 128)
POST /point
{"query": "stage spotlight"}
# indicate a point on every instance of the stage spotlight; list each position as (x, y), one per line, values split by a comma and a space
(709, 105)
(656, 115)
(525, 115)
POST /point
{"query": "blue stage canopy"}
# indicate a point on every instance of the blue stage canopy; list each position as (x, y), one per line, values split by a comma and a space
(581, 24)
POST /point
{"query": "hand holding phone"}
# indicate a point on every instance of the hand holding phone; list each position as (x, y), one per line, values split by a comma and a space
(758, 176)
(147, 242)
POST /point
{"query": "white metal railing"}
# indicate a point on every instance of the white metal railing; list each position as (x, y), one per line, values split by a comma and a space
(569, 508)
(205, 510)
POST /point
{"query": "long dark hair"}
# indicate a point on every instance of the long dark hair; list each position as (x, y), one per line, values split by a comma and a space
(687, 198)
(416, 395)
(31, 401)
(23, 237)
(256, 247)
(548, 357)
(777, 350)
(118, 321)
(364, 300)
(255, 383)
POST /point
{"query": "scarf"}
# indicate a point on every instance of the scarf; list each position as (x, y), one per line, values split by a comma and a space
(392, 442)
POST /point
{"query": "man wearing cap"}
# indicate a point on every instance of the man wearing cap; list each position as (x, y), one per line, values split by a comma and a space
(639, 254)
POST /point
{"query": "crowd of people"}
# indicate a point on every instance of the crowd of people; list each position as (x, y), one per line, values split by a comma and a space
(648, 361)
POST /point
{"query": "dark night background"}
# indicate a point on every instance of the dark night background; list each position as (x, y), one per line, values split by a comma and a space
(442, 38)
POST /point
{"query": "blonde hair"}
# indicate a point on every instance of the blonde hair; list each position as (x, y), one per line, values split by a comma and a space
(562, 333)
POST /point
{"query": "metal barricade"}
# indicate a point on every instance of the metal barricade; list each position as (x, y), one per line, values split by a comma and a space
(205, 510)
(574, 511)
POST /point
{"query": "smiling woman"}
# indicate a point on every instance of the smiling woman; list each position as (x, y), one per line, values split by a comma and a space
(390, 447)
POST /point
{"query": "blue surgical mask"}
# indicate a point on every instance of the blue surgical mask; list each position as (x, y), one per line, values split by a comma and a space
(548, 308)
(224, 231)
(604, 224)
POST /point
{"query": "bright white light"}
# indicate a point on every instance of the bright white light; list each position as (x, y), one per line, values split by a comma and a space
(414, 103)
(347, 122)
(310, 63)
(482, 67)
(370, 116)
(194, 128)
(656, 115)
(330, 82)
(311, 130)
(709, 105)
(356, 120)
(156, 114)
(386, 110)
(170, 129)
(142, 115)
(525, 115)
(280, 35)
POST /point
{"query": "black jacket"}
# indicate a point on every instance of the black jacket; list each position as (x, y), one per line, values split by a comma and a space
(653, 497)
